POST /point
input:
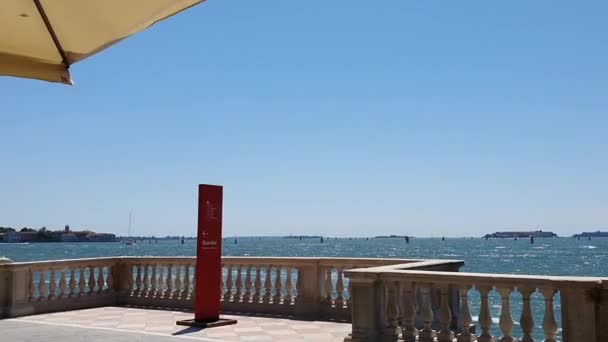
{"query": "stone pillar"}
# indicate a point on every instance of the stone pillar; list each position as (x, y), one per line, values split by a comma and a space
(16, 291)
(308, 302)
(369, 305)
(122, 274)
(5, 278)
(580, 314)
(603, 313)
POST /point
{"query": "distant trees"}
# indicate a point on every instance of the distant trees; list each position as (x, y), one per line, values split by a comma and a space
(26, 229)
(6, 229)
(47, 235)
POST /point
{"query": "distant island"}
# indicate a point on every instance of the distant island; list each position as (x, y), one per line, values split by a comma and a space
(524, 234)
(25, 234)
(591, 234)
(391, 237)
(302, 237)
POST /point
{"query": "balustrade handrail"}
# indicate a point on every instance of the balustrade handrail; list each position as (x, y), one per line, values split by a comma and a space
(428, 265)
(43, 263)
(438, 277)
(245, 261)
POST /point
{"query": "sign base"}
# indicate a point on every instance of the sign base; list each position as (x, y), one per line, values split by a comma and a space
(219, 323)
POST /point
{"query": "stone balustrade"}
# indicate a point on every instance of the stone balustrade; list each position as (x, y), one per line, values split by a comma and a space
(27, 288)
(303, 287)
(415, 305)
(385, 299)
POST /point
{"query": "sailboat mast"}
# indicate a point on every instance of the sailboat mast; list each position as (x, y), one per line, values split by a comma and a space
(130, 216)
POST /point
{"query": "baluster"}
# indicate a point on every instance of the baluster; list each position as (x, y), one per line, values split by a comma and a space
(391, 311)
(160, 283)
(288, 287)
(42, 295)
(138, 281)
(298, 286)
(465, 319)
(193, 283)
(186, 285)
(110, 279)
(258, 285)
(505, 322)
(340, 290)
(153, 282)
(247, 296)
(101, 282)
(145, 284)
(527, 320)
(267, 285)
(408, 330)
(445, 316)
(229, 284)
(277, 287)
(91, 283)
(328, 288)
(32, 286)
(81, 282)
(239, 284)
(63, 284)
(349, 300)
(72, 284)
(223, 283)
(52, 285)
(169, 281)
(427, 332)
(549, 323)
(485, 317)
(178, 281)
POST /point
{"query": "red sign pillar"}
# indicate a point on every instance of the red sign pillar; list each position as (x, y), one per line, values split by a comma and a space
(208, 259)
(209, 253)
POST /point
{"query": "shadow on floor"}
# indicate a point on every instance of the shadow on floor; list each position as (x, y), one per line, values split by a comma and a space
(187, 330)
(247, 314)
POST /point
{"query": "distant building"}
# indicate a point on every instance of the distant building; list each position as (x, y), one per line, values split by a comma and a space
(102, 237)
(28, 236)
(524, 234)
(591, 234)
(68, 237)
(10, 237)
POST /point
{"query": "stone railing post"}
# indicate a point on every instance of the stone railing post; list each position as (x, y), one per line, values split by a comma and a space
(580, 314)
(369, 310)
(15, 291)
(309, 293)
(122, 275)
(603, 312)
(5, 279)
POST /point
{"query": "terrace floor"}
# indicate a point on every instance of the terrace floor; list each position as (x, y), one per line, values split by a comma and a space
(118, 324)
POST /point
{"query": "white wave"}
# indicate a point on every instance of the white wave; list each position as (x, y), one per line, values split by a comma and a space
(495, 320)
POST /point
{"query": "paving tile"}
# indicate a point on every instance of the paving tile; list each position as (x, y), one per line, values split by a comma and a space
(257, 338)
(249, 328)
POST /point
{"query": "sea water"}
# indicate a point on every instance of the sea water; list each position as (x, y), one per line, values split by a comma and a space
(554, 256)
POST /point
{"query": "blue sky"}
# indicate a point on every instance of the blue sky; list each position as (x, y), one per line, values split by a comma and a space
(342, 118)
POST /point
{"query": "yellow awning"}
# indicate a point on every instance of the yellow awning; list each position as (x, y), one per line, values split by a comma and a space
(40, 39)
